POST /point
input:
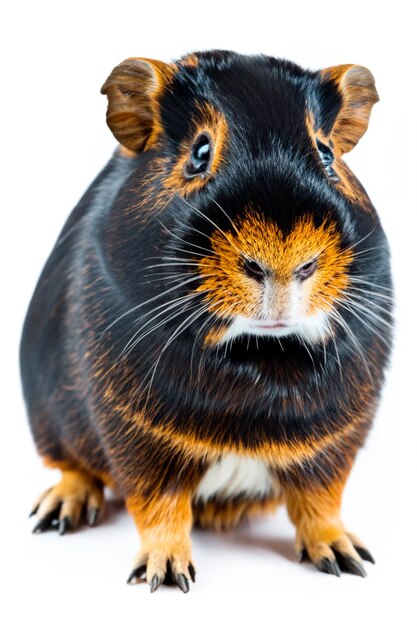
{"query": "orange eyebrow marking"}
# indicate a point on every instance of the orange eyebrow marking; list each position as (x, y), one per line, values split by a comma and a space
(348, 184)
(208, 120)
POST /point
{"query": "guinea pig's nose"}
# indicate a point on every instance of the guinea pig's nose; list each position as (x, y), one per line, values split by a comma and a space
(278, 302)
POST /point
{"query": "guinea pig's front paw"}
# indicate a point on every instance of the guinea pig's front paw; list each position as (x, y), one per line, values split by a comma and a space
(61, 507)
(168, 564)
(332, 552)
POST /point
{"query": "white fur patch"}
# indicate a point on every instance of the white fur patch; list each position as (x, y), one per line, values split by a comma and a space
(310, 329)
(234, 475)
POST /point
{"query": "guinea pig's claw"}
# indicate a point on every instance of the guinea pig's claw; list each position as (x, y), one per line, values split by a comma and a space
(192, 571)
(64, 525)
(63, 506)
(350, 565)
(137, 575)
(344, 554)
(156, 582)
(302, 555)
(182, 582)
(365, 554)
(170, 577)
(92, 516)
(47, 522)
(328, 566)
(33, 511)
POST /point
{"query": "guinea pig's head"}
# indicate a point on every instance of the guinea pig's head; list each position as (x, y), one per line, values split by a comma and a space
(263, 229)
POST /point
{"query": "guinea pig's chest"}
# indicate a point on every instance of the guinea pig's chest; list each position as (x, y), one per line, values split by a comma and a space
(234, 409)
(234, 476)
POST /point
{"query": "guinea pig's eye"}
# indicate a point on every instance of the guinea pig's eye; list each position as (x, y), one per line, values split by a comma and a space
(200, 156)
(253, 269)
(327, 158)
(306, 270)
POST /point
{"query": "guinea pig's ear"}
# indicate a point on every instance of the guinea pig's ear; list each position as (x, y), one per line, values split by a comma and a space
(133, 90)
(354, 88)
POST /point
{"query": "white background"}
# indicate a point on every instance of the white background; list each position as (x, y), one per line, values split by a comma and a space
(54, 59)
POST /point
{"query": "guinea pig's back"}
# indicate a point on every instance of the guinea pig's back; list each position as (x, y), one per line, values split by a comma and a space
(47, 343)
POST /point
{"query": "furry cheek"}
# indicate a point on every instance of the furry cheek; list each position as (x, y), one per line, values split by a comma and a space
(228, 293)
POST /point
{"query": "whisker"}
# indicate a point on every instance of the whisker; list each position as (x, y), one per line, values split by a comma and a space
(355, 279)
(355, 298)
(180, 261)
(338, 319)
(191, 252)
(211, 316)
(360, 240)
(215, 226)
(361, 252)
(172, 277)
(188, 243)
(200, 232)
(219, 321)
(164, 305)
(323, 340)
(134, 340)
(373, 328)
(337, 356)
(179, 299)
(162, 323)
(366, 310)
(372, 294)
(139, 335)
(178, 331)
(228, 217)
(135, 308)
(174, 258)
(304, 344)
(160, 306)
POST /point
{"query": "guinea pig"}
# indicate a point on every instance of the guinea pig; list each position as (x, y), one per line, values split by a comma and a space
(211, 332)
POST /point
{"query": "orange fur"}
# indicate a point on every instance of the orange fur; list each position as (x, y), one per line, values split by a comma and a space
(133, 89)
(214, 335)
(316, 515)
(164, 523)
(357, 87)
(126, 153)
(172, 177)
(70, 466)
(75, 491)
(189, 445)
(189, 61)
(225, 515)
(257, 238)
(348, 184)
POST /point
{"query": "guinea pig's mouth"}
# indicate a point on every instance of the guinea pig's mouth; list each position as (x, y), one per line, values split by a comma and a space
(273, 324)
(311, 329)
